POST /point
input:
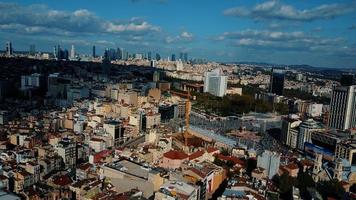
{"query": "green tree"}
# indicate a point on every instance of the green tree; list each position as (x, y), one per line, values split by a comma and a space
(251, 165)
(305, 181)
(332, 188)
(285, 185)
(353, 188)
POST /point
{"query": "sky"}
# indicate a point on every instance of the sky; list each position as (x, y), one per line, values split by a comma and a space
(321, 33)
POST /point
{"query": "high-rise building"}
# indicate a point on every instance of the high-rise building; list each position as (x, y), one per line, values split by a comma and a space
(72, 52)
(185, 57)
(120, 53)
(65, 54)
(149, 55)
(290, 129)
(277, 82)
(215, 83)
(158, 57)
(343, 108)
(173, 58)
(181, 56)
(270, 162)
(306, 128)
(94, 55)
(32, 49)
(58, 52)
(9, 50)
(347, 79)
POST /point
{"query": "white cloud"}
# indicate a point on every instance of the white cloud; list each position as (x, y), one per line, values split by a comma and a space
(276, 10)
(182, 37)
(277, 40)
(39, 18)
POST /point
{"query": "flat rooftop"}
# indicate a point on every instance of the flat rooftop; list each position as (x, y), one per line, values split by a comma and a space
(131, 168)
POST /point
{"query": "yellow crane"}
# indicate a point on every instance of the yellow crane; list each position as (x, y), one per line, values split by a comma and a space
(188, 104)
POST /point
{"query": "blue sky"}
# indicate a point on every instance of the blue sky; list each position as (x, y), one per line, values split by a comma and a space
(319, 33)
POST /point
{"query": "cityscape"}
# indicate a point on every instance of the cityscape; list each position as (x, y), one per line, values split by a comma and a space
(177, 100)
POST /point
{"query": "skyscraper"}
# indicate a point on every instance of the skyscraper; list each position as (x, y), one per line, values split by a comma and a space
(158, 57)
(185, 57)
(173, 58)
(149, 55)
(9, 50)
(277, 82)
(32, 49)
(55, 52)
(305, 130)
(120, 53)
(215, 83)
(58, 51)
(94, 52)
(181, 56)
(343, 108)
(347, 79)
(72, 52)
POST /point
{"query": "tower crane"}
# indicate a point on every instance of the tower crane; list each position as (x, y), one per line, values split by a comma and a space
(188, 104)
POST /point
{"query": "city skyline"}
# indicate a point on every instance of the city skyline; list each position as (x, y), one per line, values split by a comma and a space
(319, 33)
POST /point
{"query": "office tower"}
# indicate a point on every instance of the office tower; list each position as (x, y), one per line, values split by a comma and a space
(106, 54)
(347, 79)
(32, 49)
(185, 57)
(94, 55)
(215, 83)
(149, 55)
(270, 162)
(120, 53)
(343, 108)
(125, 55)
(55, 52)
(158, 57)
(181, 56)
(173, 58)
(9, 50)
(305, 131)
(277, 82)
(112, 54)
(72, 52)
(290, 131)
(58, 52)
(109, 54)
(65, 54)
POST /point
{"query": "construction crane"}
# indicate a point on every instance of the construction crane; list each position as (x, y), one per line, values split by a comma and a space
(188, 104)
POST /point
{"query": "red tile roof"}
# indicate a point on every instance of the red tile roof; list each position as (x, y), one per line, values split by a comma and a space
(292, 166)
(175, 155)
(196, 155)
(234, 159)
(62, 180)
(211, 149)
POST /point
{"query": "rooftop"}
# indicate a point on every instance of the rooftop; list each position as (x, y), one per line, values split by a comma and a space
(131, 168)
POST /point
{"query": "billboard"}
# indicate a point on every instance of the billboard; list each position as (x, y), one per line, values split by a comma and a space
(312, 149)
